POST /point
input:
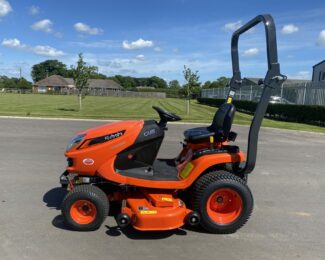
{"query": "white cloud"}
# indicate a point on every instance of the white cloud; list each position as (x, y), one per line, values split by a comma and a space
(43, 50)
(251, 52)
(34, 10)
(138, 44)
(157, 49)
(305, 74)
(46, 50)
(98, 44)
(43, 25)
(5, 8)
(140, 57)
(230, 27)
(13, 43)
(321, 38)
(85, 28)
(289, 29)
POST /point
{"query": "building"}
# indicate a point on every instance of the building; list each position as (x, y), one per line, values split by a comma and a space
(59, 84)
(54, 83)
(319, 72)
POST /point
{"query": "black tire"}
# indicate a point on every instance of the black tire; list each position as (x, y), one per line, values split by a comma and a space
(95, 197)
(213, 182)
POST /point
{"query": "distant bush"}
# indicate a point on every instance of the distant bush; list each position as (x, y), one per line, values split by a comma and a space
(170, 92)
(291, 113)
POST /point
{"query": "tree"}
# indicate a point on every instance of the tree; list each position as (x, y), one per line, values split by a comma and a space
(192, 84)
(221, 82)
(157, 82)
(20, 83)
(174, 84)
(48, 68)
(80, 74)
(24, 84)
(206, 84)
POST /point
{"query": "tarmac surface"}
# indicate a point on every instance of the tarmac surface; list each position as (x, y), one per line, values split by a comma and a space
(288, 185)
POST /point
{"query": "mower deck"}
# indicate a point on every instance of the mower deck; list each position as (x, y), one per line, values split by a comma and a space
(155, 210)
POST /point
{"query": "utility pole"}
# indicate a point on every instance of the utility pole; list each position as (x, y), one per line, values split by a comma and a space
(20, 73)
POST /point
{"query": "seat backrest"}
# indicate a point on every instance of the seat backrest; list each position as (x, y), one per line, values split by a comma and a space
(223, 119)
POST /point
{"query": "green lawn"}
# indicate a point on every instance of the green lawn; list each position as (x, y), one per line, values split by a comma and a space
(120, 108)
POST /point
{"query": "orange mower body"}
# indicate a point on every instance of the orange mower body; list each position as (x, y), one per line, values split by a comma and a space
(116, 165)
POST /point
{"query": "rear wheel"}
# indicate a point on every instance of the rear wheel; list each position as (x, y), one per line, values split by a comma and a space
(85, 208)
(223, 201)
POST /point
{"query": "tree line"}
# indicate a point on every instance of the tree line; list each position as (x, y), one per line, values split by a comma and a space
(14, 83)
(54, 67)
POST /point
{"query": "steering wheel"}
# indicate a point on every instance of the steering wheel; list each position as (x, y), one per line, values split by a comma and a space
(166, 116)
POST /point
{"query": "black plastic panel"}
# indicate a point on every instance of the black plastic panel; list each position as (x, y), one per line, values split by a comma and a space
(144, 150)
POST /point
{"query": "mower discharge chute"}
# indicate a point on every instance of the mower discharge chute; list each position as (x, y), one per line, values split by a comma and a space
(116, 163)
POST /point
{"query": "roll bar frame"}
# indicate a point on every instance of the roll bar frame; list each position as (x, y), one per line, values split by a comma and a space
(272, 81)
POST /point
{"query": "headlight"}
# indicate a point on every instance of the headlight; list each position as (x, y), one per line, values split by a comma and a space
(75, 141)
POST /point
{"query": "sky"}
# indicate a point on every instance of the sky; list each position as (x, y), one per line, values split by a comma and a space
(158, 37)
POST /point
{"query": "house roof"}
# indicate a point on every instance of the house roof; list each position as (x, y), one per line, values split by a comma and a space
(103, 83)
(57, 80)
(54, 80)
(318, 63)
(70, 81)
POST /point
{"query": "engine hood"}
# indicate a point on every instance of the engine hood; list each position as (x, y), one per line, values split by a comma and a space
(112, 128)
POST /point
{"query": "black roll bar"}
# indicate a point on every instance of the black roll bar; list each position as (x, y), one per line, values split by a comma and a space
(273, 80)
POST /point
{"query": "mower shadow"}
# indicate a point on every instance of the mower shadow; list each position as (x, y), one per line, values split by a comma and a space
(53, 198)
(134, 234)
(59, 223)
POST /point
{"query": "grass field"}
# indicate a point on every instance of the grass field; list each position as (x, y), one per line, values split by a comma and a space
(120, 108)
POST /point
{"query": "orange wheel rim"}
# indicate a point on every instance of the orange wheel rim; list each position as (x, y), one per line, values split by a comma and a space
(83, 212)
(224, 206)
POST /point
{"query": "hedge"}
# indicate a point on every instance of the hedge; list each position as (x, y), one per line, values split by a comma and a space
(292, 113)
(170, 93)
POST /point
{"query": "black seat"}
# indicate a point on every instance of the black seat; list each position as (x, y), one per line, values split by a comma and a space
(220, 127)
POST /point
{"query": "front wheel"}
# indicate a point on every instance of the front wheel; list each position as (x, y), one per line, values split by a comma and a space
(223, 201)
(85, 208)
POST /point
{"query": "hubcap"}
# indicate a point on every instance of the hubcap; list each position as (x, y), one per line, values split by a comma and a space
(83, 212)
(224, 206)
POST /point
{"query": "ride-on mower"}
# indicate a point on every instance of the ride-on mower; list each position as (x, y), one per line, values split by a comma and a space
(205, 184)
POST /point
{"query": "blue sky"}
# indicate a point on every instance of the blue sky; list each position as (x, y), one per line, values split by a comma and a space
(158, 37)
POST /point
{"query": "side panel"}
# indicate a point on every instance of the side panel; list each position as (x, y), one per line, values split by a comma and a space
(87, 160)
(144, 150)
(199, 165)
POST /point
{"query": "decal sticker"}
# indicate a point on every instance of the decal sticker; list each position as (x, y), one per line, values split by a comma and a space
(88, 161)
(114, 135)
(148, 212)
(106, 138)
(166, 199)
(186, 171)
(149, 132)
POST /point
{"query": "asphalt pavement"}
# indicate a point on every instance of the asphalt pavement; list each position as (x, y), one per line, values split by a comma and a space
(288, 185)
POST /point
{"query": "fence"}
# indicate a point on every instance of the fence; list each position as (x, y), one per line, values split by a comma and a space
(115, 93)
(15, 90)
(308, 93)
(91, 92)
